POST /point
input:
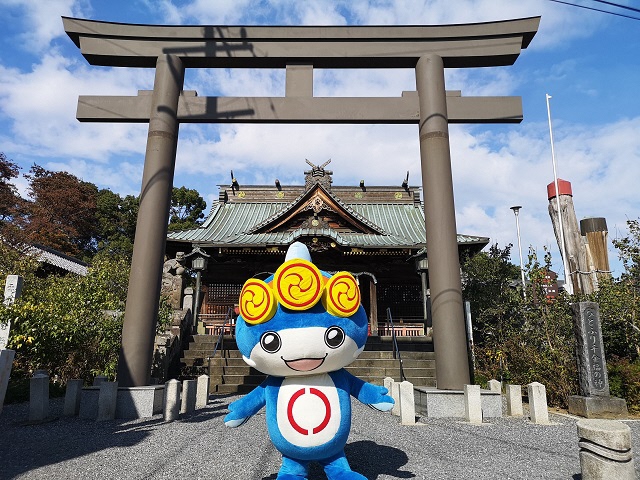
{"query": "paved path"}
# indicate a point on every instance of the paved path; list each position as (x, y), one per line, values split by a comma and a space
(199, 446)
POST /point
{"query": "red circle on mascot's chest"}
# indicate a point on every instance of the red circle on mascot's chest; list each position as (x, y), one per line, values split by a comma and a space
(327, 406)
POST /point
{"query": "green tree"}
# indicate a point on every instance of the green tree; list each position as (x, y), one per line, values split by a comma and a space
(10, 202)
(629, 251)
(519, 340)
(187, 207)
(116, 220)
(8, 193)
(619, 299)
(489, 286)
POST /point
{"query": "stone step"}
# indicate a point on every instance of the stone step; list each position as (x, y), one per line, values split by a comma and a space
(228, 353)
(390, 363)
(416, 381)
(404, 355)
(358, 362)
(243, 379)
(227, 342)
(194, 362)
(230, 362)
(222, 389)
(196, 353)
(391, 372)
(234, 370)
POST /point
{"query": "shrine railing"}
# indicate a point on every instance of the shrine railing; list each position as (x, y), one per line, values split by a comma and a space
(396, 349)
(401, 328)
(218, 323)
(227, 322)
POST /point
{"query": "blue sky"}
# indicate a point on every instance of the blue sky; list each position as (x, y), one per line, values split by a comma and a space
(589, 62)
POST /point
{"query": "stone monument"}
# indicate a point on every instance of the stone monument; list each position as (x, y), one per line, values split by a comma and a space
(12, 291)
(594, 400)
(173, 280)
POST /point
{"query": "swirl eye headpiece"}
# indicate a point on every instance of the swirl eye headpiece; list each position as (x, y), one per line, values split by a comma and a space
(299, 285)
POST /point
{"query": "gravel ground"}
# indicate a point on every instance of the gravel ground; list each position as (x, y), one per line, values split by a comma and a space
(199, 446)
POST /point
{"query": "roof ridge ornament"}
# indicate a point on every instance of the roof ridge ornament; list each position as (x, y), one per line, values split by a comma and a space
(318, 174)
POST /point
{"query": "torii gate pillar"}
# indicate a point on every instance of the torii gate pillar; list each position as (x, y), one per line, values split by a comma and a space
(138, 331)
(449, 337)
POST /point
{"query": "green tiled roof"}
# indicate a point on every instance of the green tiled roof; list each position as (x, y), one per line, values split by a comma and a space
(229, 224)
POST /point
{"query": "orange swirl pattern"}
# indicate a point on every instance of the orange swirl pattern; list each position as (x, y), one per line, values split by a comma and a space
(257, 302)
(342, 295)
(298, 284)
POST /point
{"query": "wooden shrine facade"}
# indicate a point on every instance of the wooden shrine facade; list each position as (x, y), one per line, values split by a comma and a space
(375, 232)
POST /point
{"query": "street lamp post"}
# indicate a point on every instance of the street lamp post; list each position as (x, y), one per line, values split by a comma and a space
(516, 211)
(199, 265)
(422, 267)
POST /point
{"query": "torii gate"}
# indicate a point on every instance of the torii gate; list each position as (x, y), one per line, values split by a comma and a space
(171, 49)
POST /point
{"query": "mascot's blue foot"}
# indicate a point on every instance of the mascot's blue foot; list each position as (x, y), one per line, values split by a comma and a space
(345, 475)
(338, 468)
(288, 476)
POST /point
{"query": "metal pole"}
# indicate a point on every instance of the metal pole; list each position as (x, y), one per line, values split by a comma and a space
(423, 279)
(141, 311)
(516, 211)
(196, 301)
(470, 347)
(449, 337)
(568, 285)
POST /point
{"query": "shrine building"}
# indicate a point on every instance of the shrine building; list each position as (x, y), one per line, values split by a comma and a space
(375, 232)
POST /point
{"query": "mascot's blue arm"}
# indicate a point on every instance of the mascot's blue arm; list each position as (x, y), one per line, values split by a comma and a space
(244, 408)
(368, 393)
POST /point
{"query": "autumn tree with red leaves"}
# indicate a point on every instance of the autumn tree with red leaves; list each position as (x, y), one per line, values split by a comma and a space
(61, 213)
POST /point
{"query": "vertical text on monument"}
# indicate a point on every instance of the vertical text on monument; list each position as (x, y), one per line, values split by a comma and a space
(12, 290)
(592, 367)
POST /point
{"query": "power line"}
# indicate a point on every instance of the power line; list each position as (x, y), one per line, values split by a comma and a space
(595, 9)
(618, 5)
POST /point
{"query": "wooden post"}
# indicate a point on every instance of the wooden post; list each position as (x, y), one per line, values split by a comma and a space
(373, 302)
(575, 244)
(596, 234)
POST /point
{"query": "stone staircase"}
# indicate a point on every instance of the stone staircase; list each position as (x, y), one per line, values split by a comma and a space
(229, 374)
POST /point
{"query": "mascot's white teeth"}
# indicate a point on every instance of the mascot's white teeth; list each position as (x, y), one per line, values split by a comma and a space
(304, 364)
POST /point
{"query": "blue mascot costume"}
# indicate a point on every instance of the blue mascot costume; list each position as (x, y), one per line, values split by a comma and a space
(301, 327)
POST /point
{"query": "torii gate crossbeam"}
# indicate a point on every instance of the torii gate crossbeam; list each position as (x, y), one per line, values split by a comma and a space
(171, 49)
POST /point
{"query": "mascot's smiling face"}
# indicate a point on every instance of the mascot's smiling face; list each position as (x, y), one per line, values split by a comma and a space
(301, 321)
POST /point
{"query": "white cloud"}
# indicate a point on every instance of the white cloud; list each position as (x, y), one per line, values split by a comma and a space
(493, 168)
(560, 23)
(42, 106)
(204, 12)
(42, 19)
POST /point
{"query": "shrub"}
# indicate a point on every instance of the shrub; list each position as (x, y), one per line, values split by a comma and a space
(624, 381)
(61, 324)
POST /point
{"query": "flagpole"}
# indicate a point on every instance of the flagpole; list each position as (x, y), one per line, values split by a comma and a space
(568, 285)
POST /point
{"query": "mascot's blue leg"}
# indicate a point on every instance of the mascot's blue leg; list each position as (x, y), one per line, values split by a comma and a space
(292, 469)
(337, 468)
